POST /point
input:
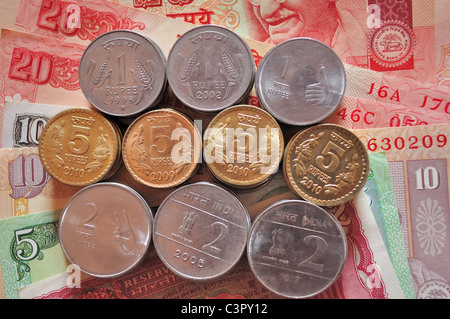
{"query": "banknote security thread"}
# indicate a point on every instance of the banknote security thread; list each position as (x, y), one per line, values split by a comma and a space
(123, 73)
(210, 68)
(106, 229)
(243, 147)
(80, 146)
(300, 81)
(296, 249)
(162, 148)
(325, 164)
(200, 231)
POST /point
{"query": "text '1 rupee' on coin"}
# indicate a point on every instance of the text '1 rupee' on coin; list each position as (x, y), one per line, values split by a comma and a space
(122, 73)
(210, 68)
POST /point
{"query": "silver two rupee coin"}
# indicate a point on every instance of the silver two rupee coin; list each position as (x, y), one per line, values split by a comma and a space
(296, 249)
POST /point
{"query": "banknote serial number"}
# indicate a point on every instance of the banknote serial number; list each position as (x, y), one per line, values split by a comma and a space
(411, 142)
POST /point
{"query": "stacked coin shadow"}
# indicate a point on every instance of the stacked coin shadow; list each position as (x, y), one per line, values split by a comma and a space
(201, 229)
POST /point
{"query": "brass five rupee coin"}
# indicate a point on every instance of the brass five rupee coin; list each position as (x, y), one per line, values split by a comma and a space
(325, 164)
(79, 147)
(243, 147)
(162, 148)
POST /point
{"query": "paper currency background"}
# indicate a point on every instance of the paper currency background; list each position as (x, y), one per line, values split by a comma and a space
(396, 100)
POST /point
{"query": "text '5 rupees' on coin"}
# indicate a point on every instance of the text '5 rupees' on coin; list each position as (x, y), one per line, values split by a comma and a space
(79, 147)
(325, 164)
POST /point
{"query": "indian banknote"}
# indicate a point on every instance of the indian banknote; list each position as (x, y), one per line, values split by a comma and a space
(362, 83)
(356, 113)
(419, 166)
(38, 69)
(406, 38)
(442, 45)
(87, 19)
(357, 110)
(26, 187)
(384, 208)
(30, 251)
(34, 68)
(23, 122)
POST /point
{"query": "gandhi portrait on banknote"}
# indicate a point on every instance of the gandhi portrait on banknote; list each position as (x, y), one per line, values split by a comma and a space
(331, 22)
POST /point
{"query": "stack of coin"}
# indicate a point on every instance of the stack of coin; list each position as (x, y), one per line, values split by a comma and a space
(296, 249)
(106, 229)
(325, 164)
(210, 68)
(123, 73)
(162, 148)
(80, 146)
(300, 81)
(200, 231)
(243, 147)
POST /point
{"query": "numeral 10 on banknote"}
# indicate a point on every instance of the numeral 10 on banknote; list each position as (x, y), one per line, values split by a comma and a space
(427, 178)
(27, 176)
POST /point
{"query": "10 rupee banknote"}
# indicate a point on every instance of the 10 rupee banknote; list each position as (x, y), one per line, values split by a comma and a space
(419, 166)
(26, 187)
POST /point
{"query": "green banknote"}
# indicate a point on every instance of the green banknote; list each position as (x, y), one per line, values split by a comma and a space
(29, 251)
(384, 208)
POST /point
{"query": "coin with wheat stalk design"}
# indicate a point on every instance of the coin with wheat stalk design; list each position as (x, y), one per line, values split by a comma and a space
(122, 73)
(210, 68)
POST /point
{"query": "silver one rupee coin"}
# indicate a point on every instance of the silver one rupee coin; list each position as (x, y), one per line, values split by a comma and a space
(200, 231)
(123, 73)
(300, 81)
(296, 249)
(210, 68)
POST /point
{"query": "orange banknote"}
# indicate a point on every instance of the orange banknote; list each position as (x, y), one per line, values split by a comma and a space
(407, 38)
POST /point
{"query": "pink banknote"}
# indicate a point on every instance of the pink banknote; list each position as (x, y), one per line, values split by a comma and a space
(356, 113)
(408, 38)
(82, 21)
(33, 67)
(39, 70)
(395, 37)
